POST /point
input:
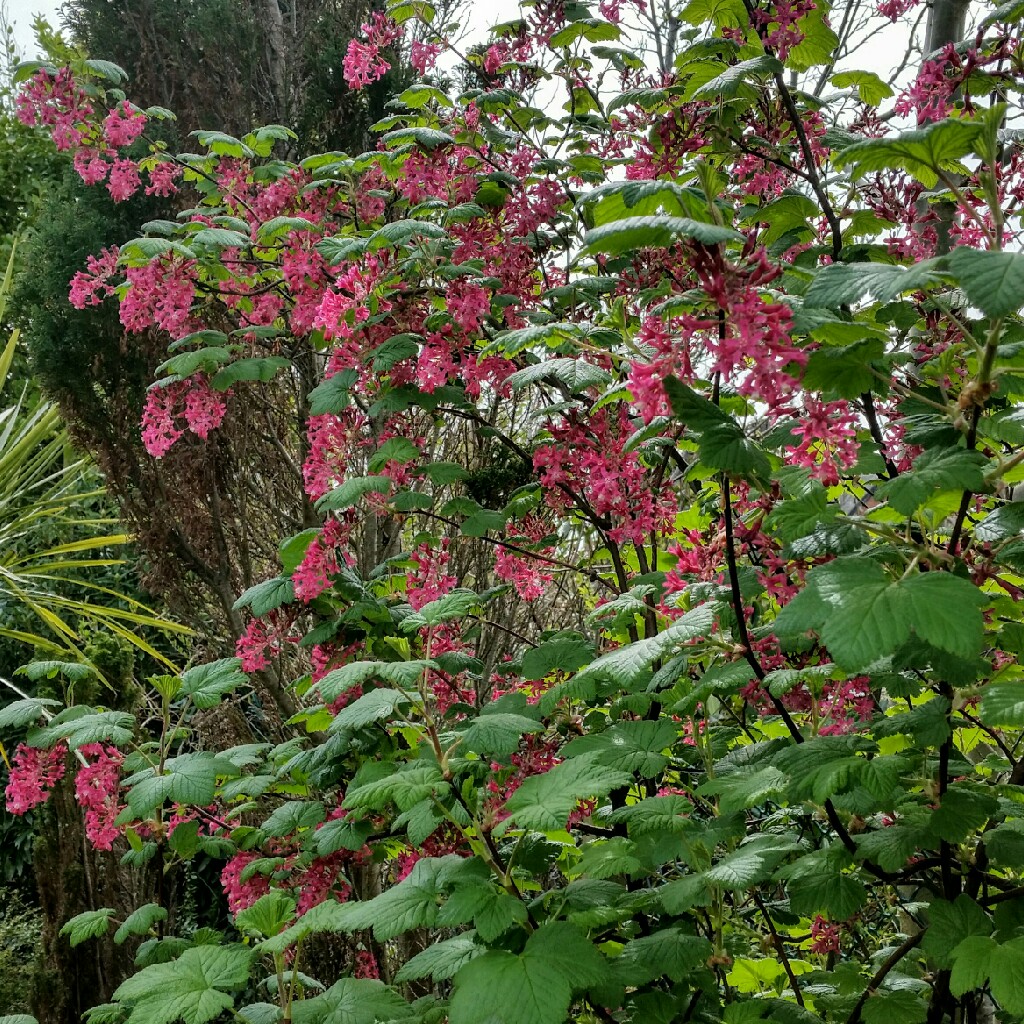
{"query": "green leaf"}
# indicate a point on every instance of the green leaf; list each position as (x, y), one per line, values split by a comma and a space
(734, 80)
(498, 734)
(544, 802)
(266, 596)
(24, 712)
(456, 605)
(269, 915)
(1003, 705)
(1006, 976)
(963, 809)
(1000, 524)
(726, 448)
(207, 684)
(821, 887)
(333, 394)
(188, 779)
(972, 961)
(862, 615)
(80, 725)
(395, 449)
(220, 238)
(845, 284)
(352, 1001)
(533, 987)
(885, 1006)
(754, 861)
(294, 816)
(89, 925)
(369, 708)
(563, 655)
(939, 469)
(670, 953)
(264, 369)
(401, 673)
(348, 494)
(890, 848)
(440, 961)
(625, 665)
(628, 746)
(922, 152)
(492, 910)
(426, 138)
(993, 281)
(575, 374)
(139, 922)
(949, 924)
(194, 988)
(870, 88)
(222, 145)
(142, 250)
(632, 233)
(412, 903)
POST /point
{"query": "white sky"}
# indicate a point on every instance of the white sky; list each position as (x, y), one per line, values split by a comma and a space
(20, 14)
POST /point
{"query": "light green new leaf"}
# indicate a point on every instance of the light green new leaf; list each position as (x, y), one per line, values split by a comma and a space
(268, 916)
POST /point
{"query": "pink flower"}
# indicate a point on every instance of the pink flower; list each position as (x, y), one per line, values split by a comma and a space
(159, 431)
(204, 407)
(366, 965)
(90, 165)
(124, 180)
(242, 895)
(423, 56)
(522, 572)
(96, 789)
(34, 773)
(123, 125)
(826, 936)
(363, 65)
(427, 580)
(162, 178)
(255, 644)
(90, 287)
(895, 9)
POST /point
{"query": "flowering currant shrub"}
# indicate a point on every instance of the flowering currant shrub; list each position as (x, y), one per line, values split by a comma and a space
(751, 355)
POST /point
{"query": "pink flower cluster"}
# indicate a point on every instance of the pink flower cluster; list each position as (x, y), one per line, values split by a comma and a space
(33, 775)
(522, 572)
(57, 101)
(194, 400)
(363, 65)
(96, 789)
(428, 580)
